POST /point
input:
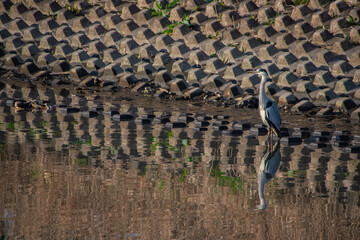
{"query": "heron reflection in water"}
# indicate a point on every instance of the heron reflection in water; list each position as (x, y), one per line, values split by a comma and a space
(268, 167)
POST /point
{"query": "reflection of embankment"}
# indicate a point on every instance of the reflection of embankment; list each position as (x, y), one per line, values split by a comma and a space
(151, 137)
(63, 198)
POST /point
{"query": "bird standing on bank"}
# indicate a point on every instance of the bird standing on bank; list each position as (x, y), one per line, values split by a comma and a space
(269, 112)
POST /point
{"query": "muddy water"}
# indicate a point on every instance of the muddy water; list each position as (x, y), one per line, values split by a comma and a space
(72, 175)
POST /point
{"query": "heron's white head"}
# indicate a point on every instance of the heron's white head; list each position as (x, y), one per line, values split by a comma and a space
(262, 73)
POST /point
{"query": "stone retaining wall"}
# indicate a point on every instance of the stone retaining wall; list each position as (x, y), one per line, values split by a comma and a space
(194, 49)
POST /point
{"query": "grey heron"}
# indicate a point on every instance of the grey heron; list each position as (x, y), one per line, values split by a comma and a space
(268, 167)
(269, 112)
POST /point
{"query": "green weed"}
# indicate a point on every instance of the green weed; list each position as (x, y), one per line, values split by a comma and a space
(53, 15)
(11, 127)
(301, 2)
(183, 175)
(186, 21)
(352, 21)
(234, 183)
(73, 9)
(214, 37)
(159, 11)
(272, 20)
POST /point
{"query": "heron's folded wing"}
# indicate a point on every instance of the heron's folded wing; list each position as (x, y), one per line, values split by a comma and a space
(272, 113)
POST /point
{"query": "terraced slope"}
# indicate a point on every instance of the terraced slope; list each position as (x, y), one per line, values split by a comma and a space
(192, 49)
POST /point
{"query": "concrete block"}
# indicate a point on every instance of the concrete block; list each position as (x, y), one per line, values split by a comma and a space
(111, 55)
(198, 57)
(303, 106)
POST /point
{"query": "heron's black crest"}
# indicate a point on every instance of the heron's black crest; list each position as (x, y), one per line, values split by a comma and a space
(262, 70)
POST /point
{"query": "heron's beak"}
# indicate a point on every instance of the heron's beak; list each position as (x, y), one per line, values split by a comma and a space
(251, 71)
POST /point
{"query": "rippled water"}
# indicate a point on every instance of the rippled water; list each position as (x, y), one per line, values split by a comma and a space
(73, 175)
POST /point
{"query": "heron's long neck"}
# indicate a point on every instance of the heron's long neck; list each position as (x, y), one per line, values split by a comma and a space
(262, 95)
(261, 187)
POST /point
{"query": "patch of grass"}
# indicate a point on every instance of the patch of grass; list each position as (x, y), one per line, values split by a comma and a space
(57, 133)
(185, 142)
(35, 175)
(195, 9)
(186, 21)
(53, 15)
(301, 2)
(297, 173)
(214, 37)
(213, 55)
(161, 185)
(234, 183)
(82, 162)
(73, 9)
(272, 20)
(11, 127)
(352, 21)
(165, 144)
(261, 41)
(43, 124)
(159, 11)
(78, 142)
(75, 122)
(170, 29)
(183, 175)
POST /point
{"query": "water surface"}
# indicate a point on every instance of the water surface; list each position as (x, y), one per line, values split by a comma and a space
(71, 175)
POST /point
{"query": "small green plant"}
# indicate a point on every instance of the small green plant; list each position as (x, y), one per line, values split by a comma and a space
(213, 55)
(272, 20)
(195, 9)
(186, 21)
(301, 2)
(214, 37)
(225, 60)
(159, 11)
(82, 162)
(208, 1)
(53, 15)
(73, 9)
(236, 184)
(262, 41)
(11, 127)
(183, 175)
(170, 29)
(352, 21)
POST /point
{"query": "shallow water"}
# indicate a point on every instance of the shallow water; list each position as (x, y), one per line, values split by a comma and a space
(70, 176)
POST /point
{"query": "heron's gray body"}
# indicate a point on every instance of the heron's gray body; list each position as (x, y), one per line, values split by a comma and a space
(269, 112)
